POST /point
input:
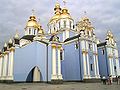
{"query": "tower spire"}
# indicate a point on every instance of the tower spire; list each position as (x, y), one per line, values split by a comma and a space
(64, 2)
(85, 13)
(33, 12)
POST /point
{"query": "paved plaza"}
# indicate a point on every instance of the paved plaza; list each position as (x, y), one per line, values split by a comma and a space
(64, 86)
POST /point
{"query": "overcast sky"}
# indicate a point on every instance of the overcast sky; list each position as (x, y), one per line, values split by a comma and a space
(104, 14)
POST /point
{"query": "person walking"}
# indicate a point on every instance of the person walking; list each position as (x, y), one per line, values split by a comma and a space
(104, 80)
(117, 80)
(111, 80)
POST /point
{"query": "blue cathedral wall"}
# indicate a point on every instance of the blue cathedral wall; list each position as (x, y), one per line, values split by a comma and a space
(70, 64)
(29, 56)
(103, 64)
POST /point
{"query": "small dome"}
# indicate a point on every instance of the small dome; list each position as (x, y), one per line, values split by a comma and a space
(16, 36)
(32, 22)
(65, 14)
(5, 45)
(55, 17)
(10, 41)
(57, 10)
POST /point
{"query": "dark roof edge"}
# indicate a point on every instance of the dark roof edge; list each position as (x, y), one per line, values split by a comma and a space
(71, 38)
(101, 44)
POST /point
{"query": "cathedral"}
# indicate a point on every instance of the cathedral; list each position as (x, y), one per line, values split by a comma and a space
(68, 51)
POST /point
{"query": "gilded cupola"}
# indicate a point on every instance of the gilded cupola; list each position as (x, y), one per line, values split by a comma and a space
(32, 22)
(65, 14)
(33, 26)
(57, 14)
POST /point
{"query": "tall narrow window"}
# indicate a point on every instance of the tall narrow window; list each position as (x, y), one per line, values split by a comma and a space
(64, 24)
(90, 47)
(76, 45)
(29, 30)
(50, 29)
(34, 31)
(59, 25)
(70, 24)
(91, 67)
(115, 68)
(103, 51)
(61, 54)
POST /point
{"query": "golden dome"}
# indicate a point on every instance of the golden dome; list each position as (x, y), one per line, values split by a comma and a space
(32, 22)
(57, 10)
(65, 14)
(55, 17)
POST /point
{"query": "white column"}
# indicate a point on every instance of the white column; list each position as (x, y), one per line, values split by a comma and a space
(10, 65)
(97, 67)
(113, 71)
(67, 34)
(59, 63)
(63, 35)
(110, 66)
(88, 64)
(5, 65)
(117, 66)
(84, 59)
(96, 60)
(54, 74)
(84, 66)
(1, 66)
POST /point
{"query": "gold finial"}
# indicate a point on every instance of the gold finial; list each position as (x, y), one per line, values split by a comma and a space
(17, 34)
(57, 1)
(5, 45)
(85, 13)
(10, 41)
(38, 20)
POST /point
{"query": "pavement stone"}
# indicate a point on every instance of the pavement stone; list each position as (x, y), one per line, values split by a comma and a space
(64, 86)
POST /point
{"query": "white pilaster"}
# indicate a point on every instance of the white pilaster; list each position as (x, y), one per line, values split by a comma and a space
(5, 65)
(88, 64)
(110, 66)
(1, 65)
(84, 59)
(54, 74)
(67, 34)
(10, 65)
(113, 71)
(84, 66)
(59, 64)
(63, 35)
(97, 67)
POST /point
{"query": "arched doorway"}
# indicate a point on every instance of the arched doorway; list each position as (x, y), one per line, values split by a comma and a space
(34, 75)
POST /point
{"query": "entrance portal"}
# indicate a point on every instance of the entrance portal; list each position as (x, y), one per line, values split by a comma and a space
(34, 75)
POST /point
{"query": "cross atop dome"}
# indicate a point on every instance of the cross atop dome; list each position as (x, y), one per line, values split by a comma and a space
(33, 12)
(64, 1)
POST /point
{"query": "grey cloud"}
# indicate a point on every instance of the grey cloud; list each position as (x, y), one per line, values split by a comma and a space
(104, 14)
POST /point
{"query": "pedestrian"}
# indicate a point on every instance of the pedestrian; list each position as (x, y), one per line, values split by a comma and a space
(111, 81)
(108, 80)
(117, 80)
(104, 80)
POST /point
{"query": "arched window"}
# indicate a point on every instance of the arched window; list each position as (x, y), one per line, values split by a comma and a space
(29, 30)
(91, 67)
(62, 54)
(50, 29)
(70, 24)
(64, 23)
(34, 31)
(59, 25)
